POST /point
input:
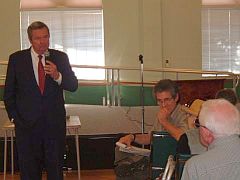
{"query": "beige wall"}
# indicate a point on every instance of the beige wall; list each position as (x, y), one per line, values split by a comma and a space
(159, 29)
(182, 33)
(9, 31)
(182, 39)
(10, 28)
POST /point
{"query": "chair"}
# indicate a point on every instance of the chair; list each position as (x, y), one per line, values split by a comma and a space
(180, 162)
(162, 145)
(169, 169)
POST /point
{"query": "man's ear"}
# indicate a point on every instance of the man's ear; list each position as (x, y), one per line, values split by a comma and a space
(30, 40)
(209, 135)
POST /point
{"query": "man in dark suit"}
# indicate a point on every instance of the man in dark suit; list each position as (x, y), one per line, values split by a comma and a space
(34, 101)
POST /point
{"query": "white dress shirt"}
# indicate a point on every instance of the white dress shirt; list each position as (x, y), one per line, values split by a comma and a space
(35, 60)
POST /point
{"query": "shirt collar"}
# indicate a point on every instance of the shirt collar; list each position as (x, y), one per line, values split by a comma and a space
(175, 111)
(223, 141)
(34, 53)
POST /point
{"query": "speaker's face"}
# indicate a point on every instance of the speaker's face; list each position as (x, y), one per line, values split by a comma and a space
(40, 40)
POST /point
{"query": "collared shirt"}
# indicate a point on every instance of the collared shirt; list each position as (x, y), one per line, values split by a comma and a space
(35, 60)
(177, 118)
(189, 143)
(220, 162)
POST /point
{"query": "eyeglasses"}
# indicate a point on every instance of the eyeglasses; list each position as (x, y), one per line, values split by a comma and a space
(197, 124)
(164, 101)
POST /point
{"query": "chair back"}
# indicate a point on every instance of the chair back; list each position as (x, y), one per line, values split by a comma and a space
(162, 145)
(180, 162)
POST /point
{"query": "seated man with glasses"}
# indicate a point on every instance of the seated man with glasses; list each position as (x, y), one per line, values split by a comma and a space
(170, 118)
(219, 128)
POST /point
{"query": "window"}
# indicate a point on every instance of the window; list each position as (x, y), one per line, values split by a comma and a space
(79, 33)
(221, 39)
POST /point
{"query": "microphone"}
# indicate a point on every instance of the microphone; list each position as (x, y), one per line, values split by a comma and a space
(140, 57)
(47, 55)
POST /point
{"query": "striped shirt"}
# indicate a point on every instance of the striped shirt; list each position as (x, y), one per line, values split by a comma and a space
(220, 162)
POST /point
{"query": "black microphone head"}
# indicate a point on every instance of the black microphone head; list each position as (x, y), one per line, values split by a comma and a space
(47, 55)
(141, 58)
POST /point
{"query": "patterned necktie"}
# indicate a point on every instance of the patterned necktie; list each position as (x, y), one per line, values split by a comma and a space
(41, 74)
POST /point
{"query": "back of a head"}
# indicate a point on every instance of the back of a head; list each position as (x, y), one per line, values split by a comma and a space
(166, 85)
(220, 117)
(227, 94)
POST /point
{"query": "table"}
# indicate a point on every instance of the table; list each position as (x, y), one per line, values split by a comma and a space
(73, 126)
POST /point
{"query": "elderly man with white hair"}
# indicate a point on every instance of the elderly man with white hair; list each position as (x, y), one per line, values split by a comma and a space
(219, 125)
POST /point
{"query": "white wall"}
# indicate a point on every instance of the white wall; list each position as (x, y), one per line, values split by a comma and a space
(104, 120)
(112, 120)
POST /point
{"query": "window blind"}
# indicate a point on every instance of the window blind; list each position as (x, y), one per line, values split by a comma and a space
(77, 32)
(221, 2)
(221, 39)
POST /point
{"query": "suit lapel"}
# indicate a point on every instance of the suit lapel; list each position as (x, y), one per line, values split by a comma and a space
(48, 79)
(29, 68)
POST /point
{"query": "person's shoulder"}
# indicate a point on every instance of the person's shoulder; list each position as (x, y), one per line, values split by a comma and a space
(200, 160)
(181, 108)
(179, 111)
(191, 167)
(21, 54)
(193, 132)
(194, 160)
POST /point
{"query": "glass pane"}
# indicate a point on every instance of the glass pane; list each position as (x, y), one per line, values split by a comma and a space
(221, 40)
(78, 33)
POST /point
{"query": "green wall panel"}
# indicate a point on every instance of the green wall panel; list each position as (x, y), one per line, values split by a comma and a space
(86, 95)
(132, 95)
(228, 84)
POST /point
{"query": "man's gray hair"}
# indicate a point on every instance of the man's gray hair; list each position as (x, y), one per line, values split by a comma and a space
(220, 117)
(36, 25)
(166, 85)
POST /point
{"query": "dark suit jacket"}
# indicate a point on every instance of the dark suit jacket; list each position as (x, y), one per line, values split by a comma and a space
(22, 97)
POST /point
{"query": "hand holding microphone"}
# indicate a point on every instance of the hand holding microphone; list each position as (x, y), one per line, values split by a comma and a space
(50, 68)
